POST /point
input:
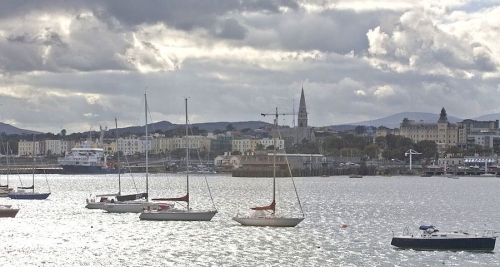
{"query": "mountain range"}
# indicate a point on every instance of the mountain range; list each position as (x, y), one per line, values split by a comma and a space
(392, 121)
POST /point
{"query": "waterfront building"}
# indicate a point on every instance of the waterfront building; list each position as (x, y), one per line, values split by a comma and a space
(192, 142)
(444, 133)
(227, 162)
(29, 148)
(472, 132)
(44, 147)
(220, 142)
(145, 142)
(109, 148)
(57, 147)
(159, 144)
(129, 145)
(264, 160)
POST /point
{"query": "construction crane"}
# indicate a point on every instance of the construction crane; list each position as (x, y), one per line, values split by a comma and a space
(276, 114)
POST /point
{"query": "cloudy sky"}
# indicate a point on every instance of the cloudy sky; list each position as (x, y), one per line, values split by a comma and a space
(76, 65)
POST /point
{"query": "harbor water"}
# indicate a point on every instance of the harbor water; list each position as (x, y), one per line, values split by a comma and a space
(349, 222)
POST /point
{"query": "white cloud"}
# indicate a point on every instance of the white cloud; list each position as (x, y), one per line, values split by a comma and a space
(384, 91)
(76, 64)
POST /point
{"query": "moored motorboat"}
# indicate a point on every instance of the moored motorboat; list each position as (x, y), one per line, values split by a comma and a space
(430, 238)
(355, 176)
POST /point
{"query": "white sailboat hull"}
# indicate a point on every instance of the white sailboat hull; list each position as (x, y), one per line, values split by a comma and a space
(135, 207)
(268, 221)
(95, 205)
(99, 205)
(177, 215)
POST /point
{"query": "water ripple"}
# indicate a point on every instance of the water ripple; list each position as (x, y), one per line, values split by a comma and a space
(61, 232)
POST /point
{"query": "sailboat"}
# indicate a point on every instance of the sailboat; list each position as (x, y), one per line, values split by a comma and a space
(28, 192)
(5, 189)
(105, 199)
(141, 202)
(266, 215)
(167, 212)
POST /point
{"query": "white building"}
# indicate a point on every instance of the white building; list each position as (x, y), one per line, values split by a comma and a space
(28, 148)
(249, 145)
(58, 147)
(129, 145)
(193, 142)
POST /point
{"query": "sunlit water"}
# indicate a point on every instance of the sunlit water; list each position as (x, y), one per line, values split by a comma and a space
(59, 231)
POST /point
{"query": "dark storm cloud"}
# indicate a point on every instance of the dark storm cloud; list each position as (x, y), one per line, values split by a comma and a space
(78, 64)
(189, 14)
(231, 29)
(338, 31)
(48, 39)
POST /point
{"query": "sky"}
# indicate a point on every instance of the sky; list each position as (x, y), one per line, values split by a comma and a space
(78, 65)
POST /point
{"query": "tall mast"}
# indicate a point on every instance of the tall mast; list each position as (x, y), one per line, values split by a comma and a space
(33, 171)
(8, 164)
(187, 154)
(147, 148)
(274, 159)
(118, 159)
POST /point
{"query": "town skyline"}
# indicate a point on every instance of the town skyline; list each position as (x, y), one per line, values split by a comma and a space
(391, 121)
(76, 65)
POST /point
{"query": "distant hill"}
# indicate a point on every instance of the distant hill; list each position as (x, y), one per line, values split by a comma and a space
(489, 117)
(9, 129)
(208, 126)
(394, 121)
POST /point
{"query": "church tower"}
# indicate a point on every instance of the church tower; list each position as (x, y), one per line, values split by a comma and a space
(443, 118)
(302, 117)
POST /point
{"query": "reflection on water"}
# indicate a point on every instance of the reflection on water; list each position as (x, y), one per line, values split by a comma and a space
(61, 232)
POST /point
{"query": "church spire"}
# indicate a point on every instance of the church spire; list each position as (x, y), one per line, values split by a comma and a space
(302, 117)
(443, 117)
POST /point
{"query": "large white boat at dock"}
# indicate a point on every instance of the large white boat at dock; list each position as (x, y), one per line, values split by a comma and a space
(87, 158)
